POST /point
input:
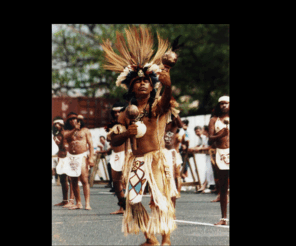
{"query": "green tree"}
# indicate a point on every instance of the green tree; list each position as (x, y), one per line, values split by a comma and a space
(201, 74)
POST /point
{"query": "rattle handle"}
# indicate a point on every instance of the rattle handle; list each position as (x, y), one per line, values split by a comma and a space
(133, 140)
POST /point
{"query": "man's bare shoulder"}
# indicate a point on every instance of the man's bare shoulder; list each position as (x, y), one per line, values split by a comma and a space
(213, 119)
(85, 130)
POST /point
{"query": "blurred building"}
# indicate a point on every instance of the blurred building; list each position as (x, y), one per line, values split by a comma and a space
(96, 111)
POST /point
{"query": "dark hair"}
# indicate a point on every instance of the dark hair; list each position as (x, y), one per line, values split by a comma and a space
(54, 129)
(102, 137)
(186, 122)
(118, 104)
(67, 124)
(197, 127)
(113, 122)
(131, 96)
(206, 128)
(217, 110)
(81, 123)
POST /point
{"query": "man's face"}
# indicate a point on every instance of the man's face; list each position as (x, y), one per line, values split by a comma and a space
(73, 121)
(102, 140)
(116, 114)
(198, 132)
(204, 132)
(142, 86)
(58, 126)
(224, 106)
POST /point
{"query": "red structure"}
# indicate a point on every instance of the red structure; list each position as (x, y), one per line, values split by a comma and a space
(96, 111)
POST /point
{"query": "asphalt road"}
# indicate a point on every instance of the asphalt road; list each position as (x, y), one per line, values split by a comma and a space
(195, 216)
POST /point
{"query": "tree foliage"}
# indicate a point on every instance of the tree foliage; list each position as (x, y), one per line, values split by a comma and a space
(199, 78)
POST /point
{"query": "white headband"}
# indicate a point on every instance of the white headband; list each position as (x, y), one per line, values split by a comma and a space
(59, 121)
(224, 98)
(117, 108)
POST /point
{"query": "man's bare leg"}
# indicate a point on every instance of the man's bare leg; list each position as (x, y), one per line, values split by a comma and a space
(85, 184)
(117, 184)
(71, 200)
(223, 179)
(64, 184)
(76, 191)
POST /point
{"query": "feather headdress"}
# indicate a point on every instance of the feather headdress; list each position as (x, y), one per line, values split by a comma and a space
(135, 59)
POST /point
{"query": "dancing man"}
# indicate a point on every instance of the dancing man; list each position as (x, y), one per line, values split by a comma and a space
(147, 161)
(117, 158)
(58, 132)
(80, 157)
(219, 134)
(175, 159)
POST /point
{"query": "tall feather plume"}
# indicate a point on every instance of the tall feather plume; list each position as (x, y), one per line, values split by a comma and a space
(133, 43)
(123, 49)
(114, 62)
(146, 45)
(137, 52)
(163, 45)
(175, 45)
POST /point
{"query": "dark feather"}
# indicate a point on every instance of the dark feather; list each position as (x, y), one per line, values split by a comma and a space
(175, 45)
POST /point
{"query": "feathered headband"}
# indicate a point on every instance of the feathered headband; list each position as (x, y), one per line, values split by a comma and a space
(135, 59)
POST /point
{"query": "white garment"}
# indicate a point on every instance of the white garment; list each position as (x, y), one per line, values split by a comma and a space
(209, 171)
(219, 125)
(117, 160)
(178, 160)
(209, 167)
(61, 167)
(137, 180)
(222, 158)
(170, 160)
(222, 155)
(74, 163)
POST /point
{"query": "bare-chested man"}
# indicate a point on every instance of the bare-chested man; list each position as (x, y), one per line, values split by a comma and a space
(80, 157)
(117, 158)
(219, 135)
(58, 132)
(172, 144)
(148, 160)
(139, 73)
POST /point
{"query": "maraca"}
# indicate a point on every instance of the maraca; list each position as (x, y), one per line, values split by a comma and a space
(132, 113)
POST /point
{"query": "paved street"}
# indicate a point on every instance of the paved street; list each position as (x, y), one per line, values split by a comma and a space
(195, 216)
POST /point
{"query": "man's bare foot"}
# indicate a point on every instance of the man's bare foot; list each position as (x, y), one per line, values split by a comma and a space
(152, 240)
(79, 206)
(166, 239)
(222, 221)
(217, 199)
(62, 203)
(69, 204)
(119, 211)
(88, 207)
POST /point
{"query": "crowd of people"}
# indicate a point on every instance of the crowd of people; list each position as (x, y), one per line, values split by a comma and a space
(145, 144)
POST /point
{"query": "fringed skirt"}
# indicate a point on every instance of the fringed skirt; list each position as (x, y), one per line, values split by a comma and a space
(153, 168)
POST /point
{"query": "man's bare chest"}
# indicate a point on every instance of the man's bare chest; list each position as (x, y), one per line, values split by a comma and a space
(78, 136)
